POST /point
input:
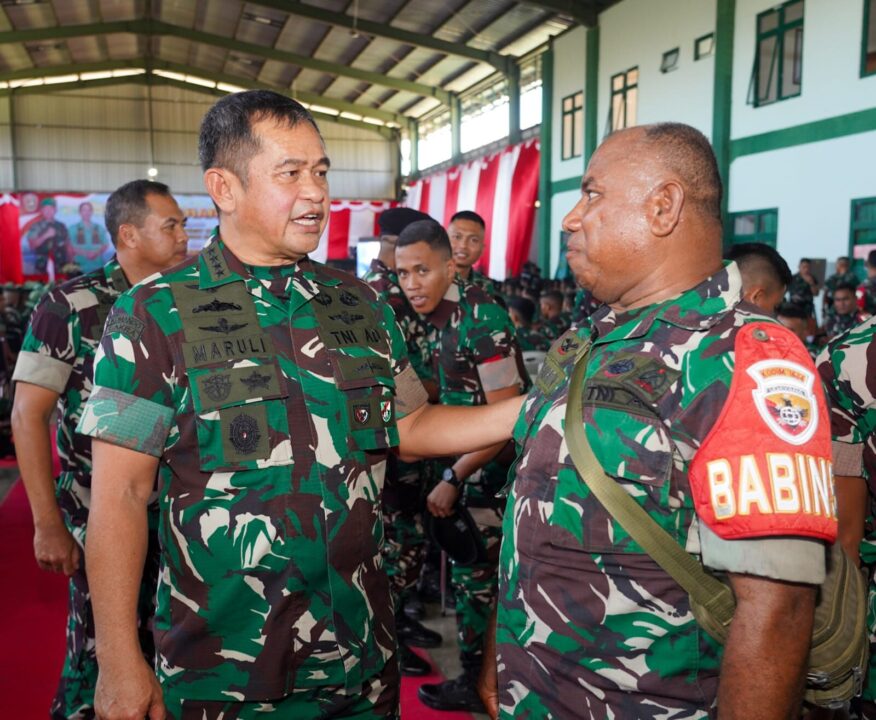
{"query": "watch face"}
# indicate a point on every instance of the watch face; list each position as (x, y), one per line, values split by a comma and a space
(448, 475)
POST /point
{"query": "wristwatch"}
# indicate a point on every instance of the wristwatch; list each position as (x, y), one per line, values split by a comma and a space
(449, 476)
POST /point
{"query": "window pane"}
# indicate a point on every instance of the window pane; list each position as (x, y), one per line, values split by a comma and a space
(567, 137)
(768, 21)
(632, 76)
(766, 71)
(670, 61)
(617, 112)
(579, 100)
(792, 64)
(870, 56)
(632, 106)
(864, 237)
(745, 225)
(578, 133)
(769, 222)
(865, 211)
(617, 82)
(705, 46)
(567, 104)
(794, 12)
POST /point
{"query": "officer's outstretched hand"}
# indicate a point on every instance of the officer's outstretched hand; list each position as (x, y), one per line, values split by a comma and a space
(55, 549)
(128, 693)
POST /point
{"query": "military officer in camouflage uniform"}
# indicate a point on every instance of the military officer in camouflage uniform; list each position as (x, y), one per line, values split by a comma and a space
(266, 391)
(55, 368)
(475, 362)
(845, 313)
(403, 497)
(846, 367)
(804, 287)
(467, 231)
(48, 237)
(843, 275)
(589, 626)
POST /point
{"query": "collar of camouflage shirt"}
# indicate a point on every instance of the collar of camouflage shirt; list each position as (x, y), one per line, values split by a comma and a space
(699, 308)
(441, 315)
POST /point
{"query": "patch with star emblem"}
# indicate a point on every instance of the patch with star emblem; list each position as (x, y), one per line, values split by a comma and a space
(214, 388)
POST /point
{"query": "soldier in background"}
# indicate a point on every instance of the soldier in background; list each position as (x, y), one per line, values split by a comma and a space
(804, 287)
(266, 390)
(589, 625)
(765, 274)
(467, 232)
(55, 369)
(843, 274)
(88, 240)
(475, 362)
(845, 313)
(403, 495)
(846, 367)
(48, 238)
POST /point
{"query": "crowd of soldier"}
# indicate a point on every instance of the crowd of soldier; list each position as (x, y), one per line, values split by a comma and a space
(269, 546)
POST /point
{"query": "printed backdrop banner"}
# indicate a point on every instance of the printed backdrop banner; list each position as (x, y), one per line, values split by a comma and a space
(501, 188)
(41, 233)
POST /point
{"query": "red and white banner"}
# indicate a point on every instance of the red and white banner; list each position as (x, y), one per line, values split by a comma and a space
(502, 188)
(349, 220)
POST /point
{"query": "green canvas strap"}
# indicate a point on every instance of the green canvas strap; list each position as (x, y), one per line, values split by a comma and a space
(705, 590)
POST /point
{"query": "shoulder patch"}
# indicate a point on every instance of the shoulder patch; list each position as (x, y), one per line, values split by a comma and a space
(765, 468)
(126, 325)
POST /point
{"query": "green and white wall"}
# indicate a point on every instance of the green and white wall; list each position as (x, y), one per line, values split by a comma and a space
(808, 156)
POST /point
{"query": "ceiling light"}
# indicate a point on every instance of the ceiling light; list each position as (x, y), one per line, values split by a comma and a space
(152, 172)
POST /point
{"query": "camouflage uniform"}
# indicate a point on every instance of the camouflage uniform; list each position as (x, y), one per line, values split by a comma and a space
(531, 339)
(846, 278)
(58, 354)
(585, 306)
(472, 342)
(56, 246)
(270, 396)
(846, 368)
(588, 625)
(485, 283)
(800, 293)
(404, 549)
(838, 324)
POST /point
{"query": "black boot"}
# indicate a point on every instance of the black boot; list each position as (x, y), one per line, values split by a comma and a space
(411, 632)
(411, 664)
(456, 694)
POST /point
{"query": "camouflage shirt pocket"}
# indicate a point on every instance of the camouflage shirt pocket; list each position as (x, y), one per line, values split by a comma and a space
(368, 388)
(241, 417)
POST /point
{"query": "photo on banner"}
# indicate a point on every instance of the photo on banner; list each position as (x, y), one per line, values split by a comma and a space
(64, 234)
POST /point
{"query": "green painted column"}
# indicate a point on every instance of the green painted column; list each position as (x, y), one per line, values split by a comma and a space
(513, 103)
(414, 135)
(455, 129)
(591, 95)
(544, 177)
(725, 25)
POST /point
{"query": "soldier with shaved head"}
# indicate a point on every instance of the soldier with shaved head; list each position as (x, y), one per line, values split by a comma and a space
(696, 405)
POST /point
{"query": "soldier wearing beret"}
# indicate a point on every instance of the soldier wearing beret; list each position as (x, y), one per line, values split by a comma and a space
(48, 238)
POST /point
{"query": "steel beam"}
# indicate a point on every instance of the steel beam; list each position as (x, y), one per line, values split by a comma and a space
(581, 10)
(384, 30)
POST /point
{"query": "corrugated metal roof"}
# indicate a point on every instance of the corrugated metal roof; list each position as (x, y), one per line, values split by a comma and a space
(353, 51)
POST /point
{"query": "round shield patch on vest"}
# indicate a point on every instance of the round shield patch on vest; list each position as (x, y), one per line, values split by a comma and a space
(362, 413)
(217, 387)
(386, 410)
(785, 399)
(244, 433)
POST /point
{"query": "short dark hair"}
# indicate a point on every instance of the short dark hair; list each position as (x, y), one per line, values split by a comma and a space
(805, 260)
(524, 307)
(226, 139)
(469, 215)
(688, 153)
(127, 205)
(760, 258)
(427, 231)
(554, 295)
(789, 309)
(845, 286)
(843, 258)
(871, 258)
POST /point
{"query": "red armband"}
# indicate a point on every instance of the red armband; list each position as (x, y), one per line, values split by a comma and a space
(765, 467)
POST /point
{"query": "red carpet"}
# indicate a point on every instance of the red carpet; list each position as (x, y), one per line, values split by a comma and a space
(33, 612)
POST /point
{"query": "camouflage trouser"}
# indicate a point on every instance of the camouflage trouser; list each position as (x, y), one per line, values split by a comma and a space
(404, 545)
(74, 698)
(475, 589)
(377, 698)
